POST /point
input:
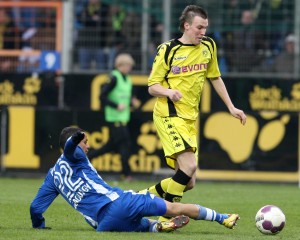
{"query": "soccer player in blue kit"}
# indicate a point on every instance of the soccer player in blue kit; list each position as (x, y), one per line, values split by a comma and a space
(108, 208)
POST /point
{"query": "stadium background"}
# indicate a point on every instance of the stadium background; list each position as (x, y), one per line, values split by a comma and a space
(44, 86)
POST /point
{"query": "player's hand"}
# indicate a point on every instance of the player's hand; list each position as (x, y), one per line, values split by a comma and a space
(174, 95)
(77, 137)
(136, 103)
(121, 107)
(237, 113)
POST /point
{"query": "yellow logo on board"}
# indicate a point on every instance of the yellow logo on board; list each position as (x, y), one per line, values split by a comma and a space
(8, 95)
(271, 99)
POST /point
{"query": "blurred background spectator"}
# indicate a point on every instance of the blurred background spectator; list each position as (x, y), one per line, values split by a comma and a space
(26, 17)
(245, 47)
(249, 33)
(284, 62)
(10, 38)
(91, 34)
(27, 62)
(115, 37)
(132, 30)
(156, 31)
(274, 19)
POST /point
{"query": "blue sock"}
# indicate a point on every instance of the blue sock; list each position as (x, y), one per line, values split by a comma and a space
(152, 227)
(210, 215)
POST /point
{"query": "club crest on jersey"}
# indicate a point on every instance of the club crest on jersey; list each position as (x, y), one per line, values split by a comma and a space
(175, 70)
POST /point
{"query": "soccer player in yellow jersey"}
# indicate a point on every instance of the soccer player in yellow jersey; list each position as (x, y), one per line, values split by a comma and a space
(178, 74)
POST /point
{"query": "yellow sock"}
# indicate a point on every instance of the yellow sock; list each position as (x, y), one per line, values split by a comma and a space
(165, 183)
(177, 186)
(175, 191)
(158, 189)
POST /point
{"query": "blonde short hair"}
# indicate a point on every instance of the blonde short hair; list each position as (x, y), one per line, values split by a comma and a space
(124, 58)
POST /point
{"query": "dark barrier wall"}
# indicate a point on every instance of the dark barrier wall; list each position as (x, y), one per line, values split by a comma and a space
(267, 143)
(265, 149)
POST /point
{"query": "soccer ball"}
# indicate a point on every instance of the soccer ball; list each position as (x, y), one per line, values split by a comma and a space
(270, 219)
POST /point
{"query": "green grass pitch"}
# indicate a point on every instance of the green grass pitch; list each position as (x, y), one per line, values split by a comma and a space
(243, 198)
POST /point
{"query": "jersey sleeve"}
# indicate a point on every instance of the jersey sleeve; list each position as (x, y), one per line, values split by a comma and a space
(45, 196)
(213, 68)
(159, 67)
(73, 151)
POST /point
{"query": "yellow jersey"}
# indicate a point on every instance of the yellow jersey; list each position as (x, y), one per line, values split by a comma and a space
(183, 67)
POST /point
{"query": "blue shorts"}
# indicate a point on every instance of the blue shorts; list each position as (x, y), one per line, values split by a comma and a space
(126, 213)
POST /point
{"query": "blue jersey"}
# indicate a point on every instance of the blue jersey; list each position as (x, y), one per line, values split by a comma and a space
(74, 177)
(79, 183)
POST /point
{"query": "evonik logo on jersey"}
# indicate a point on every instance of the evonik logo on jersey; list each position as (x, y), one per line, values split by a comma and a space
(190, 68)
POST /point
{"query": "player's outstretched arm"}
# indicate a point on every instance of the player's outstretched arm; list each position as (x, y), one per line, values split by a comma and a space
(220, 88)
(45, 196)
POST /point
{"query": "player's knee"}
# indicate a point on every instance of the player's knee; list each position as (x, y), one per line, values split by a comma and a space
(193, 168)
(35, 208)
(32, 208)
(190, 168)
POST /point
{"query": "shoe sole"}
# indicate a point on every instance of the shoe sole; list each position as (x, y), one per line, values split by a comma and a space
(178, 222)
